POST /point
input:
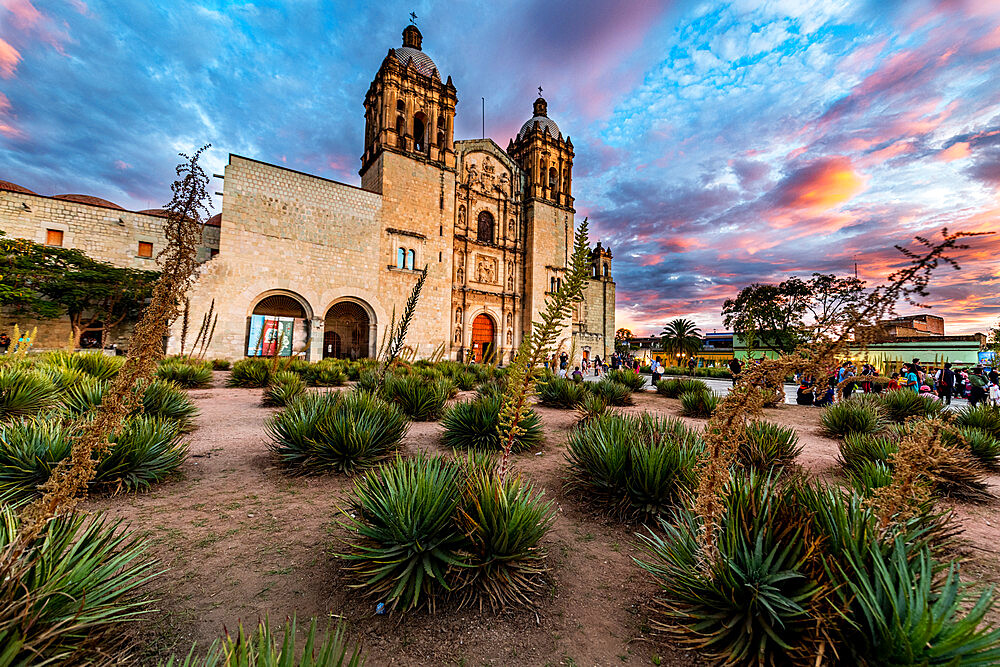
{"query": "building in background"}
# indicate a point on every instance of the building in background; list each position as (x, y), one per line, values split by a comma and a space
(300, 265)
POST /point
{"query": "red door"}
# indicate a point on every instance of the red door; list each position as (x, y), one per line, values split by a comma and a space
(482, 338)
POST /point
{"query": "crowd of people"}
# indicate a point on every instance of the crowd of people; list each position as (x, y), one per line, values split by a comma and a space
(560, 365)
(976, 384)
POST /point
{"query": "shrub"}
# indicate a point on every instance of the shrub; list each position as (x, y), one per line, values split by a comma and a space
(673, 388)
(903, 613)
(283, 388)
(768, 445)
(628, 377)
(466, 381)
(503, 522)
(160, 399)
(328, 377)
(407, 549)
(420, 399)
(760, 600)
(336, 431)
(868, 476)
(900, 405)
(638, 465)
(189, 376)
(982, 416)
(475, 425)
(220, 364)
(984, 446)
(145, 451)
(261, 649)
(613, 393)
(848, 417)
(252, 373)
(859, 449)
(67, 595)
(698, 403)
(590, 407)
(560, 393)
(94, 364)
(63, 377)
(24, 392)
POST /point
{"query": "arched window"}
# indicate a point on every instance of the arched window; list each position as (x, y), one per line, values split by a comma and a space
(441, 133)
(552, 284)
(410, 256)
(401, 258)
(484, 232)
(419, 143)
(553, 179)
(400, 105)
(606, 269)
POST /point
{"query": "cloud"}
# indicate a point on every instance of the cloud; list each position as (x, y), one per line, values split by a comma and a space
(821, 185)
(9, 58)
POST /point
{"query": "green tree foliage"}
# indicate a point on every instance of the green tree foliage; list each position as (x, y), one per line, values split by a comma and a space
(681, 336)
(780, 317)
(49, 281)
(623, 339)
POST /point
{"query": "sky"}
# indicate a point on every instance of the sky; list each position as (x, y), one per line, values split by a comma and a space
(717, 143)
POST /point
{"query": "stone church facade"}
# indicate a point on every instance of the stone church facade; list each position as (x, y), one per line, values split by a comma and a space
(306, 266)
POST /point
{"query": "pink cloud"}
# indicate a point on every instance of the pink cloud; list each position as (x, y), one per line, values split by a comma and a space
(122, 165)
(25, 14)
(820, 185)
(956, 151)
(9, 58)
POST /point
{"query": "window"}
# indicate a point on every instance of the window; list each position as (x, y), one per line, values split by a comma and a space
(410, 256)
(484, 232)
(400, 105)
(145, 249)
(418, 133)
(552, 284)
(400, 132)
(553, 179)
(401, 258)
(53, 237)
(605, 269)
(213, 252)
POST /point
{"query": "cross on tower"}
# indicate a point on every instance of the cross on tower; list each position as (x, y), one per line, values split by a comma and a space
(413, 18)
(539, 91)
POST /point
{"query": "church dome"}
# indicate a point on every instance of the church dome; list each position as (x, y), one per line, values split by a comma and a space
(14, 187)
(88, 199)
(541, 117)
(411, 51)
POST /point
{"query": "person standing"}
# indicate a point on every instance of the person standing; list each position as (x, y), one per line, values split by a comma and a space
(977, 386)
(946, 383)
(735, 368)
(597, 365)
(912, 380)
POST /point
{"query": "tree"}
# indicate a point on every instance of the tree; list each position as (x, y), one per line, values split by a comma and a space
(832, 301)
(769, 316)
(49, 281)
(623, 340)
(681, 336)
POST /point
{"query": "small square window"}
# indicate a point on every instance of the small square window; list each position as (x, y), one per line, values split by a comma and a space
(213, 252)
(53, 237)
(145, 249)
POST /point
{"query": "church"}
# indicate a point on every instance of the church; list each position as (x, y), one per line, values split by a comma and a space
(300, 265)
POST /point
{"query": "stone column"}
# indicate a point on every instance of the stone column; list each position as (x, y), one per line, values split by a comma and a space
(315, 348)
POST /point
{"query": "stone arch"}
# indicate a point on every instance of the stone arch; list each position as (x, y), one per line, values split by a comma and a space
(349, 329)
(485, 225)
(278, 325)
(484, 337)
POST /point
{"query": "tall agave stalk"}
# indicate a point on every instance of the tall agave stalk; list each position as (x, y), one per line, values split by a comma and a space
(392, 343)
(538, 345)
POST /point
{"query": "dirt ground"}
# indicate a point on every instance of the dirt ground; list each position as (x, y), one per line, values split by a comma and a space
(240, 539)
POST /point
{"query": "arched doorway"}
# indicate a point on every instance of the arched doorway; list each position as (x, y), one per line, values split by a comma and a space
(483, 338)
(278, 326)
(347, 331)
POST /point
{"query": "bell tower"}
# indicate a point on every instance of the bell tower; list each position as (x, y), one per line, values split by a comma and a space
(409, 110)
(546, 158)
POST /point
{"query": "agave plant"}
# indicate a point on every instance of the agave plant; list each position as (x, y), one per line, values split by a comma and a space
(252, 373)
(613, 393)
(144, 450)
(283, 388)
(637, 465)
(902, 404)
(627, 377)
(420, 399)
(858, 449)
(983, 445)
(95, 364)
(336, 431)
(849, 417)
(561, 393)
(768, 445)
(405, 548)
(220, 364)
(982, 416)
(504, 521)
(474, 425)
(261, 649)
(671, 388)
(698, 403)
(159, 399)
(761, 600)
(189, 376)
(24, 392)
(590, 407)
(903, 614)
(66, 596)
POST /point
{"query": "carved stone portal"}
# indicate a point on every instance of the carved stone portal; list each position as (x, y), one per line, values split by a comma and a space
(486, 270)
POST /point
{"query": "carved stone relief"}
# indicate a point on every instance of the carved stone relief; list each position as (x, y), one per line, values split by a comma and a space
(486, 269)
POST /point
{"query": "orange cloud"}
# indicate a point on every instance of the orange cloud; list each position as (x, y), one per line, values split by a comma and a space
(956, 151)
(25, 14)
(820, 186)
(9, 58)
